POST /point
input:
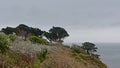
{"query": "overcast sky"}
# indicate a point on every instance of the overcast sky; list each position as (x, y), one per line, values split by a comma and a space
(85, 20)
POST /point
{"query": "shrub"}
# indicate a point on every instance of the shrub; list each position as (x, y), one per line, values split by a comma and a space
(38, 40)
(78, 58)
(26, 48)
(77, 49)
(32, 54)
(12, 37)
(43, 56)
(96, 55)
(3, 43)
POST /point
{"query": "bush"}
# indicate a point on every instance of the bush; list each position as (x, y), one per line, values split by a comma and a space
(32, 54)
(78, 58)
(12, 37)
(96, 55)
(77, 49)
(38, 40)
(43, 56)
(3, 43)
(27, 48)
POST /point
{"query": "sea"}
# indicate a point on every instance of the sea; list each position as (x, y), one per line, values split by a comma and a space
(109, 53)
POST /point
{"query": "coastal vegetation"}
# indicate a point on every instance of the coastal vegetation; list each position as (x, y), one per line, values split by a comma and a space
(28, 47)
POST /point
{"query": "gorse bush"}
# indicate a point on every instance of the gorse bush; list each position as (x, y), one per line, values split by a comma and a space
(3, 43)
(38, 40)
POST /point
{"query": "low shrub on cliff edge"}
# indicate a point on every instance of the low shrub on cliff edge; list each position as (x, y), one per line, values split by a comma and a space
(38, 40)
(3, 43)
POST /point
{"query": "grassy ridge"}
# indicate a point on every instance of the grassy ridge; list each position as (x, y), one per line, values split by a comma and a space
(24, 54)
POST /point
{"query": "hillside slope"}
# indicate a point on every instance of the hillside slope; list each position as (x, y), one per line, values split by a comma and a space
(67, 59)
(27, 55)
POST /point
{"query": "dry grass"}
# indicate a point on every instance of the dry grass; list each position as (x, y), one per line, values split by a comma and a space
(61, 61)
(26, 55)
(66, 59)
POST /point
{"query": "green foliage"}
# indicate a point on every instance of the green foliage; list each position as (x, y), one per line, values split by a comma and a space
(78, 58)
(26, 31)
(35, 31)
(29, 30)
(12, 37)
(8, 30)
(77, 49)
(56, 34)
(89, 47)
(43, 56)
(23, 31)
(38, 40)
(36, 63)
(3, 43)
(22, 27)
(96, 55)
(48, 36)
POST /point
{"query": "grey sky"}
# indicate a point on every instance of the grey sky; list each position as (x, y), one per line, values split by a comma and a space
(85, 20)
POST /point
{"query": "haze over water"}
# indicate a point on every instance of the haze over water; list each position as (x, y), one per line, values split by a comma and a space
(110, 54)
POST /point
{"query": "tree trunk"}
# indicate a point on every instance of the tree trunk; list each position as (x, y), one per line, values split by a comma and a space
(88, 52)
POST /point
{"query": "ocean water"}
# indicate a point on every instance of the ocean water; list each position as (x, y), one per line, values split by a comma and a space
(109, 54)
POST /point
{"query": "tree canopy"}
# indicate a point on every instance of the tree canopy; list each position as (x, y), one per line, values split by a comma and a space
(23, 30)
(8, 30)
(89, 47)
(56, 34)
